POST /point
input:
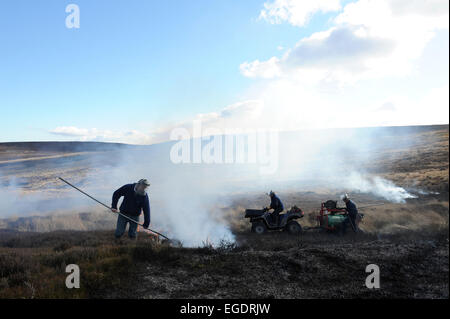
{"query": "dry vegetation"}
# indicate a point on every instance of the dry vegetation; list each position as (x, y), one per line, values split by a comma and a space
(408, 241)
(276, 266)
(33, 265)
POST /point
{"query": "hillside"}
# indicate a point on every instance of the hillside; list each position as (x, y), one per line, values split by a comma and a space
(46, 225)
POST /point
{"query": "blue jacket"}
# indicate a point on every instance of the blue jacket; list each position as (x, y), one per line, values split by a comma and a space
(276, 204)
(132, 203)
(351, 208)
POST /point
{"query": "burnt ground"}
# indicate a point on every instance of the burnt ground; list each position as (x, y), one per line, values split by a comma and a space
(311, 266)
(408, 241)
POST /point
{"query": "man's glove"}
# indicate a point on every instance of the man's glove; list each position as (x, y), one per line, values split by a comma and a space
(145, 226)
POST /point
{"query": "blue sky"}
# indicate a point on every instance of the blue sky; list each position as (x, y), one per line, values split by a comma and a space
(141, 65)
(122, 66)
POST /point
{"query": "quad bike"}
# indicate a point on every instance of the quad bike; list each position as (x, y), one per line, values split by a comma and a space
(261, 220)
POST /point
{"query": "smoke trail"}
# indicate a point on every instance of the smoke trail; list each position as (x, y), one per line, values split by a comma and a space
(377, 186)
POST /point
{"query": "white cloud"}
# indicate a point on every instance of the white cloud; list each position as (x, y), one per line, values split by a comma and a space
(341, 54)
(267, 69)
(286, 105)
(72, 131)
(410, 30)
(337, 46)
(296, 12)
(249, 114)
(372, 44)
(370, 39)
(397, 109)
(241, 115)
(423, 7)
(93, 134)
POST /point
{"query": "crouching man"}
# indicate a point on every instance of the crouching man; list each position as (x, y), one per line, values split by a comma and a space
(135, 200)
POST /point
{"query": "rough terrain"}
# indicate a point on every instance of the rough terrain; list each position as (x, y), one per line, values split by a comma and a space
(408, 241)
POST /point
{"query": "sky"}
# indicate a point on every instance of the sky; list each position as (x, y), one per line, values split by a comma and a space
(135, 70)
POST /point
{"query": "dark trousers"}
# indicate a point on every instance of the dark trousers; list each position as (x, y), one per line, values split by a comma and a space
(276, 216)
(122, 224)
(350, 221)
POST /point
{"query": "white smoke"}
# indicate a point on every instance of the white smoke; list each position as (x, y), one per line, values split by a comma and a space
(377, 186)
(185, 198)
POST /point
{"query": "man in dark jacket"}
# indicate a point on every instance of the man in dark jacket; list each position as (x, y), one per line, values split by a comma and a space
(352, 213)
(135, 200)
(277, 206)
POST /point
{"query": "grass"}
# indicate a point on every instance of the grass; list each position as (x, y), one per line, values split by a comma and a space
(33, 266)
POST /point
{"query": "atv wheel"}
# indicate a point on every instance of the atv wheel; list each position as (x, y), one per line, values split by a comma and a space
(259, 228)
(293, 227)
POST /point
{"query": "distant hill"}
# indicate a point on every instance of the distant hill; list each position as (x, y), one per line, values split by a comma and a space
(62, 146)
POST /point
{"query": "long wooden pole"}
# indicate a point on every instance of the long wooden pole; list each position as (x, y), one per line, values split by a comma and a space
(109, 208)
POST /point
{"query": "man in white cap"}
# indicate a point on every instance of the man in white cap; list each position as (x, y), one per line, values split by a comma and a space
(135, 200)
